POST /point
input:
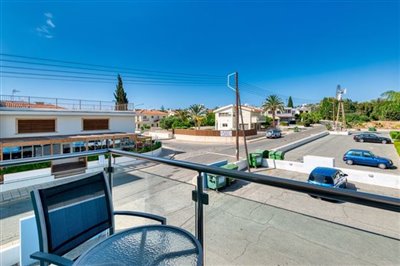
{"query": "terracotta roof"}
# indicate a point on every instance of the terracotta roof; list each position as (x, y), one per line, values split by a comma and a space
(150, 112)
(21, 104)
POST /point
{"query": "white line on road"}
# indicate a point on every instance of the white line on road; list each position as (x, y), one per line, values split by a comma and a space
(221, 154)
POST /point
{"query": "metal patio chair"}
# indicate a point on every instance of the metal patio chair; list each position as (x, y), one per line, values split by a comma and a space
(70, 214)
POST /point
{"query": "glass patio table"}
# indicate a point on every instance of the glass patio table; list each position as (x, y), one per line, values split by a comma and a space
(145, 245)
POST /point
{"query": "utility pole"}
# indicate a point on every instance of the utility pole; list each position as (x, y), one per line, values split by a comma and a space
(237, 114)
(238, 111)
(244, 135)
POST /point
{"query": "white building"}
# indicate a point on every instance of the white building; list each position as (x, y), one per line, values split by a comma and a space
(31, 128)
(287, 114)
(149, 118)
(225, 117)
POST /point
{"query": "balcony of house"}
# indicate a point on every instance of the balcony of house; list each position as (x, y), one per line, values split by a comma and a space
(243, 224)
(60, 104)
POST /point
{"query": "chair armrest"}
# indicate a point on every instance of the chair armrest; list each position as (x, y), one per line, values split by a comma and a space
(51, 258)
(161, 219)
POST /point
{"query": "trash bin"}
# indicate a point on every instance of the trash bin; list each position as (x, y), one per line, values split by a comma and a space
(230, 166)
(255, 159)
(279, 155)
(215, 181)
(264, 153)
(271, 155)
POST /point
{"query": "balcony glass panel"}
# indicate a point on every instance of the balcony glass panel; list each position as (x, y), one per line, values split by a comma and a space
(251, 224)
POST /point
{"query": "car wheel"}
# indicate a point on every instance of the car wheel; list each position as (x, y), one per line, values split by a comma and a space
(382, 166)
(361, 140)
(349, 162)
(384, 141)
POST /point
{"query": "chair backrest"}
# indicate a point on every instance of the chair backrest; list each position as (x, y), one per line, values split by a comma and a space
(68, 215)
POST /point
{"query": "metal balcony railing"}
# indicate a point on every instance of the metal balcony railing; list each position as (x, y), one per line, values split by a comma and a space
(31, 102)
(361, 198)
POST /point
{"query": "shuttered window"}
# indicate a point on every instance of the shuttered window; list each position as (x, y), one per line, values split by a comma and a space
(36, 125)
(95, 124)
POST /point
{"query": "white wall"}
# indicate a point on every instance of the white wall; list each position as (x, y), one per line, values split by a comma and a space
(67, 123)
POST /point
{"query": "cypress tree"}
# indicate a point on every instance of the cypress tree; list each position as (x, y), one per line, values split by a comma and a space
(121, 101)
(290, 102)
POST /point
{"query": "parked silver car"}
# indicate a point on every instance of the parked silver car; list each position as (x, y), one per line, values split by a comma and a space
(273, 133)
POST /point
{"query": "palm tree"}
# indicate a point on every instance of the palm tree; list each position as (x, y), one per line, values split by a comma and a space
(393, 96)
(273, 103)
(183, 115)
(197, 113)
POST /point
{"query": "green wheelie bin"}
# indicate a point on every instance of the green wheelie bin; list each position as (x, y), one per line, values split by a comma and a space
(230, 166)
(255, 159)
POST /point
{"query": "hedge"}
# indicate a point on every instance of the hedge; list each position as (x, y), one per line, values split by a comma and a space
(397, 147)
(395, 134)
(25, 167)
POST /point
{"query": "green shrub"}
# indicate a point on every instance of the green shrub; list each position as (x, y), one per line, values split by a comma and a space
(328, 126)
(284, 123)
(397, 147)
(371, 129)
(92, 158)
(23, 168)
(395, 134)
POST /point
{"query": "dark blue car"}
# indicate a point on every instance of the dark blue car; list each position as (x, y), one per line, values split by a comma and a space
(328, 177)
(365, 157)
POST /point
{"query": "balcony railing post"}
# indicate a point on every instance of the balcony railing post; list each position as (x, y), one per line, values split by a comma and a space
(110, 171)
(200, 198)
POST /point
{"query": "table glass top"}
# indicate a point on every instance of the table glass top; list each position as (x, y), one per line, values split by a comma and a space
(145, 245)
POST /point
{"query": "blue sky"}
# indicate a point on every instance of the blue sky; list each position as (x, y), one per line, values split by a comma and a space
(298, 48)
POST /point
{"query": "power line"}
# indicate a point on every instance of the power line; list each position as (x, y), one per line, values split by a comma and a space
(111, 67)
(258, 91)
(111, 75)
(19, 75)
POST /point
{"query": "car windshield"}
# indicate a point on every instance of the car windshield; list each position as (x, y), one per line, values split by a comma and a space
(321, 178)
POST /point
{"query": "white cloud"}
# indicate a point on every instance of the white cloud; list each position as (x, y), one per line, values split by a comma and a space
(50, 23)
(46, 29)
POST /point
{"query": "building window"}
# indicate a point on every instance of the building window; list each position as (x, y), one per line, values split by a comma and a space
(95, 124)
(56, 149)
(36, 125)
(224, 125)
(66, 148)
(37, 150)
(225, 114)
(27, 151)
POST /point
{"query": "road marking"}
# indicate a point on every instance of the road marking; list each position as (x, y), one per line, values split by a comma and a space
(221, 154)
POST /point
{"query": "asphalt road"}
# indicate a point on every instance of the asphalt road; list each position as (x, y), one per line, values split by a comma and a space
(190, 150)
(336, 146)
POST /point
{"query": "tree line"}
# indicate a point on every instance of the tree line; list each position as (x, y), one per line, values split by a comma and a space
(196, 115)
